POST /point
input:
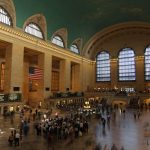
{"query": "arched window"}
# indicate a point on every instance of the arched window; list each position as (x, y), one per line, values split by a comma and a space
(5, 17)
(34, 29)
(74, 48)
(127, 65)
(103, 66)
(147, 63)
(58, 41)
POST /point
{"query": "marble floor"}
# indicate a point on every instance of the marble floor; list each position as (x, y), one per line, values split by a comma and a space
(125, 132)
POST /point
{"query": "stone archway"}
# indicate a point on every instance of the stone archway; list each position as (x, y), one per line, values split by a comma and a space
(40, 20)
(119, 103)
(10, 8)
(63, 33)
(101, 40)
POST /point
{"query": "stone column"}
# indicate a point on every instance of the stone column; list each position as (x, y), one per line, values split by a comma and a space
(40, 91)
(1, 61)
(47, 74)
(75, 69)
(2, 110)
(65, 72)
(26, 81)
(82, 76)
(140, 73)
(14, 68)
(8, 60)
(114, 73)
(86, 75)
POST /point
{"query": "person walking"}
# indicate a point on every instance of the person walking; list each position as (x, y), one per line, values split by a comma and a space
(17, 139)
(11, 139)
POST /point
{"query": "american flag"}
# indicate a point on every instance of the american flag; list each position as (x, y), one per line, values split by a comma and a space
(35, 73)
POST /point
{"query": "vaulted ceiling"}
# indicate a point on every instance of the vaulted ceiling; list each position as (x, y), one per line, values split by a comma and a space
(82, 18)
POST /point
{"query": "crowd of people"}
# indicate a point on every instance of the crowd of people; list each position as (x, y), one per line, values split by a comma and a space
(14, 138)
(113, 147)
(120, 91)
(16, 134)
(53, 129)
(68, 127)
(62, 128)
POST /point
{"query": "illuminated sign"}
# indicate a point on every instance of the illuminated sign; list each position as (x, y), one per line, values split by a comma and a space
(1, 97)
(12, 97)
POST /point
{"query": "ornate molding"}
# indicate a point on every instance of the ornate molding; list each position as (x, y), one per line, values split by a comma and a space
(100, 38)
(63, 33)
(40, 20)
(48, 47)
(10, 8)
(79, 43)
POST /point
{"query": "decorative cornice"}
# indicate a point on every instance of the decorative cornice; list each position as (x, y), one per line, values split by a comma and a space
(114, 60)
(139, 57)
(115, 30)
(20, 35)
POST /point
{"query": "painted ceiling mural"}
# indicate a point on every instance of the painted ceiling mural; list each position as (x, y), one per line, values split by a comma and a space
(82, 18)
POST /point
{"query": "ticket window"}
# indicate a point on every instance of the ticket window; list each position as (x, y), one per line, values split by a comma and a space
(18, 108)
(5, 111)
(11, 108)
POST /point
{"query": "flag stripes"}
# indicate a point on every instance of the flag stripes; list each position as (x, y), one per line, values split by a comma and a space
(35, 73)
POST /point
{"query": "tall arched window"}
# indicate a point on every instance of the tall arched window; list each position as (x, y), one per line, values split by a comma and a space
(147, 63)
(34, 29)
(127, 65)
(58, 41)
(74, 48)
(5, 17)
(103, 66)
